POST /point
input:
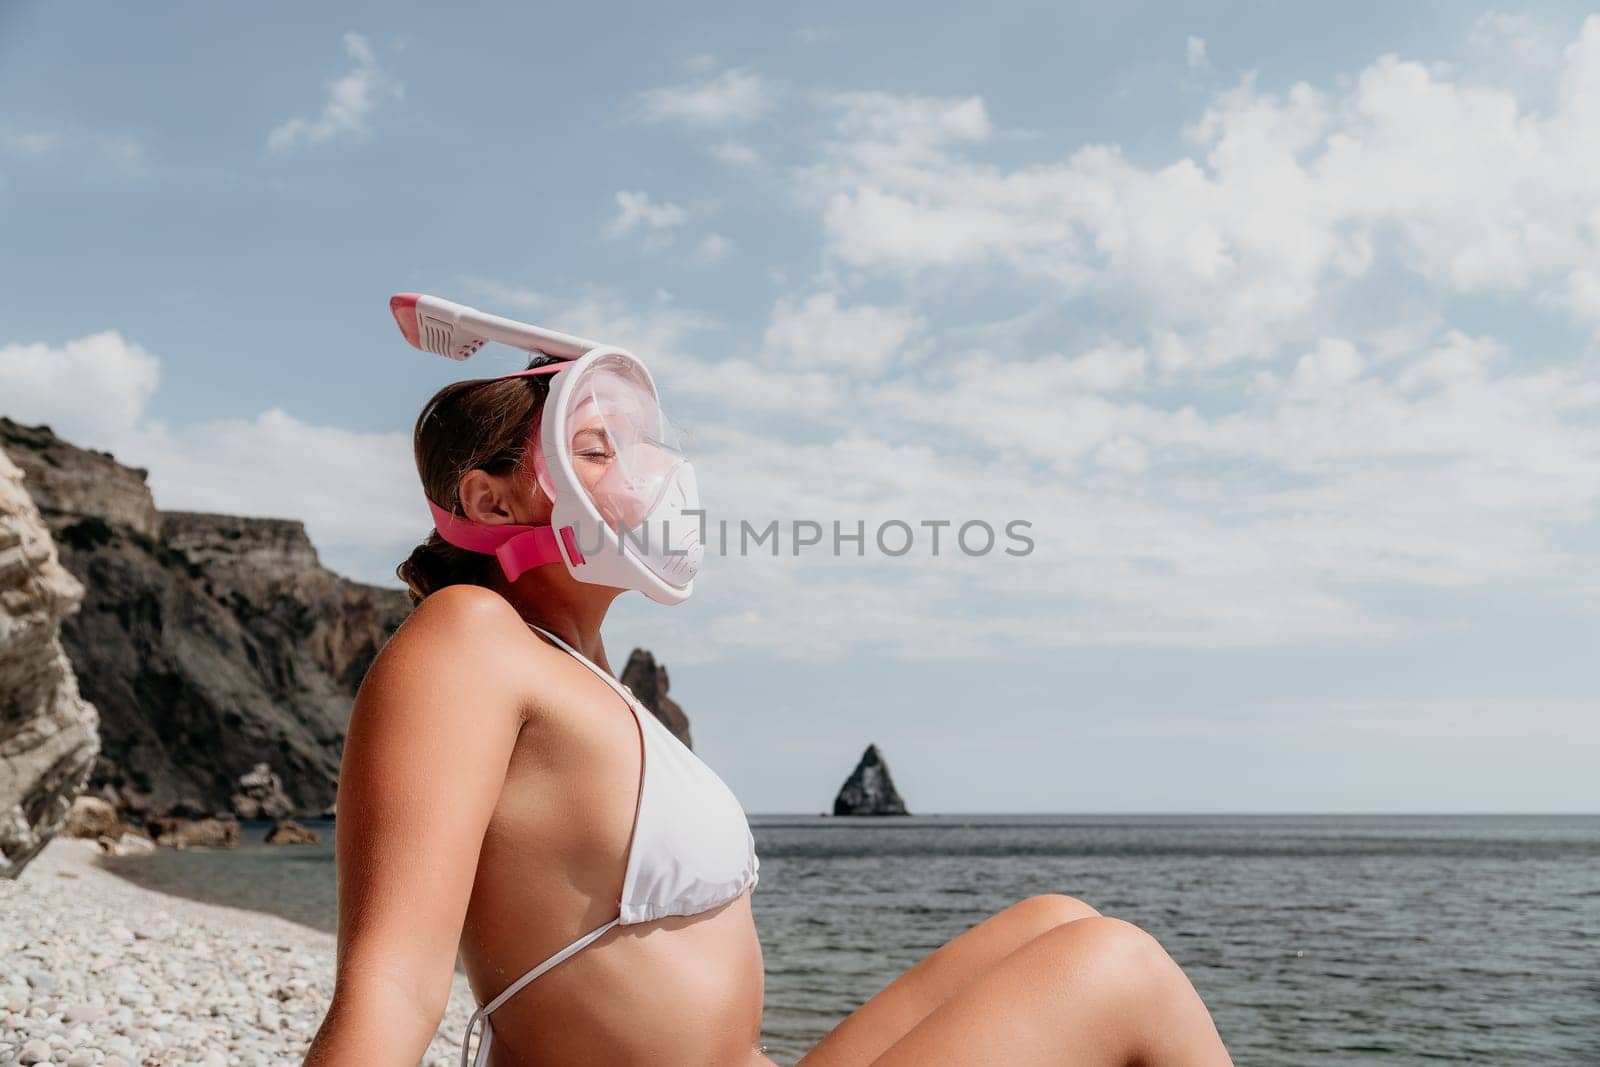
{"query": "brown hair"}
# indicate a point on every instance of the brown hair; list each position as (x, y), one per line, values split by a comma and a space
(484, 423)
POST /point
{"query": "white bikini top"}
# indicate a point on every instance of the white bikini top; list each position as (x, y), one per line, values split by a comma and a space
(691, 850)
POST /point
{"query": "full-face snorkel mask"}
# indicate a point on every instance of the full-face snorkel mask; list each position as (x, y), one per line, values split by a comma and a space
(625, 504)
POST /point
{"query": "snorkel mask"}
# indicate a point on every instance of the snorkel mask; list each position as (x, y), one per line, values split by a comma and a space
(625, 504)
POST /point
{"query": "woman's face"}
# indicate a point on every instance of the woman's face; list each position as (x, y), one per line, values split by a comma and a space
(593, 453)
(603, 474)
(622, 452)
(619, 462)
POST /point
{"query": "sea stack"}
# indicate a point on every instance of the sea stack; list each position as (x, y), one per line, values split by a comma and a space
(869, 790)
(647, 680)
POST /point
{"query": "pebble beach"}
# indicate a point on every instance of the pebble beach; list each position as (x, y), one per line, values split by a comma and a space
(96, 970)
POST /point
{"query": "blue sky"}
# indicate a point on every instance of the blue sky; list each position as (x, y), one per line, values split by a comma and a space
(1277, 322)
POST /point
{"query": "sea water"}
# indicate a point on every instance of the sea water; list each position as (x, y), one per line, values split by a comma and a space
(1313, 939)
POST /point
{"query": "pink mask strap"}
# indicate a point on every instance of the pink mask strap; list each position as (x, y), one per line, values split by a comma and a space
(518, 548)
(543, 368)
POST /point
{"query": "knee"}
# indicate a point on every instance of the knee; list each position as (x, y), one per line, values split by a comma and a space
(1047, 911)
(1113, 951)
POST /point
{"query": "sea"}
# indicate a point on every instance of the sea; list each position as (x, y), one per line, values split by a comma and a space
(1314, 939)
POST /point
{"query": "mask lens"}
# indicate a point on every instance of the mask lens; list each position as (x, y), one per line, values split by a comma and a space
(624, 450)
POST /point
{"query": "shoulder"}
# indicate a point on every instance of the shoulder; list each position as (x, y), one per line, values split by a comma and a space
(465, 636)
(462, 613)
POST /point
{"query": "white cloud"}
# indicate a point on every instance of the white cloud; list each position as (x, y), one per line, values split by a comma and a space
(351, 489)
(1294, 506)
(737, 95)
(660, 331)
(735, 154)
(30, 143)
(636, 209)
(93, 387)
(817, 332)
(92, 155)
(1229, 389)
(907, 128)
(1195, 53)
(498, 294)
(714, 248)
(352, 99)
(1236, 249)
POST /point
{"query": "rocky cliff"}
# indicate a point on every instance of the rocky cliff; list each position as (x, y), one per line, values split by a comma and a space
(48, 740)
(869, 790)
(209, 643)
(648, 680)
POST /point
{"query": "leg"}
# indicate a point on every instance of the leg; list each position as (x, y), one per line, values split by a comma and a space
(906, 1001)
(1094, 993)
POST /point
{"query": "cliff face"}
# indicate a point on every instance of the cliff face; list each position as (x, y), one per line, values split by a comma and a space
(209, 643)
(48, 741)
(869, 790)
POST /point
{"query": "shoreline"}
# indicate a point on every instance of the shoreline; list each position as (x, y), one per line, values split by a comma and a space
(117, 974)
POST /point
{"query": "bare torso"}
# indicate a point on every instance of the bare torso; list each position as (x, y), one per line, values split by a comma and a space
(677, 990)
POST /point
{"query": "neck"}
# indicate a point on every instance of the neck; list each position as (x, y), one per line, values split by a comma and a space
(551, 599)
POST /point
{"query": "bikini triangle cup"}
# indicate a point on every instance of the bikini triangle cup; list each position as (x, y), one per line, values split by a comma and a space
(691, 850)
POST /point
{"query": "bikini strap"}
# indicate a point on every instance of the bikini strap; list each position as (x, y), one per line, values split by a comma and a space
(482, 1014)
(622, 690)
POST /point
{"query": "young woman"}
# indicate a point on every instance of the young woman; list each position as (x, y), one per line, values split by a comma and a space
(503, 796)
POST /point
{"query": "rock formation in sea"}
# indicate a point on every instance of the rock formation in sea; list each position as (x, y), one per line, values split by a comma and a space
(48, 732)
(211, 644)
(289, 832)
(194, 833)
(260, 795)
(869, 790)
(648, 681)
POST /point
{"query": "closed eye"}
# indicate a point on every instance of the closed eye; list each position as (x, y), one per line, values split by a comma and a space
(592, 443)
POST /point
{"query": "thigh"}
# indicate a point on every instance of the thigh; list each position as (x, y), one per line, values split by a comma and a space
(909, 999)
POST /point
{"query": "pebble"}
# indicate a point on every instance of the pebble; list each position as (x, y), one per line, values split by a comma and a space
(98, 972)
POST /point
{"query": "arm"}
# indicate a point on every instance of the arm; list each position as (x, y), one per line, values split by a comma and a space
(424, 762)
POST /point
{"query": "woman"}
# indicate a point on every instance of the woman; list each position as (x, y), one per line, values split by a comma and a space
(494, 800)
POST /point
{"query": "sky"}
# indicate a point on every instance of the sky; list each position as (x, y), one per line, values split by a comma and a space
(1276, 326)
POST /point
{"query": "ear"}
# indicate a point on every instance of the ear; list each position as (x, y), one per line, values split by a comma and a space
(484, 498)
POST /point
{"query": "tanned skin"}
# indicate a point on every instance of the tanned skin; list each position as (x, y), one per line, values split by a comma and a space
(486, 804)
